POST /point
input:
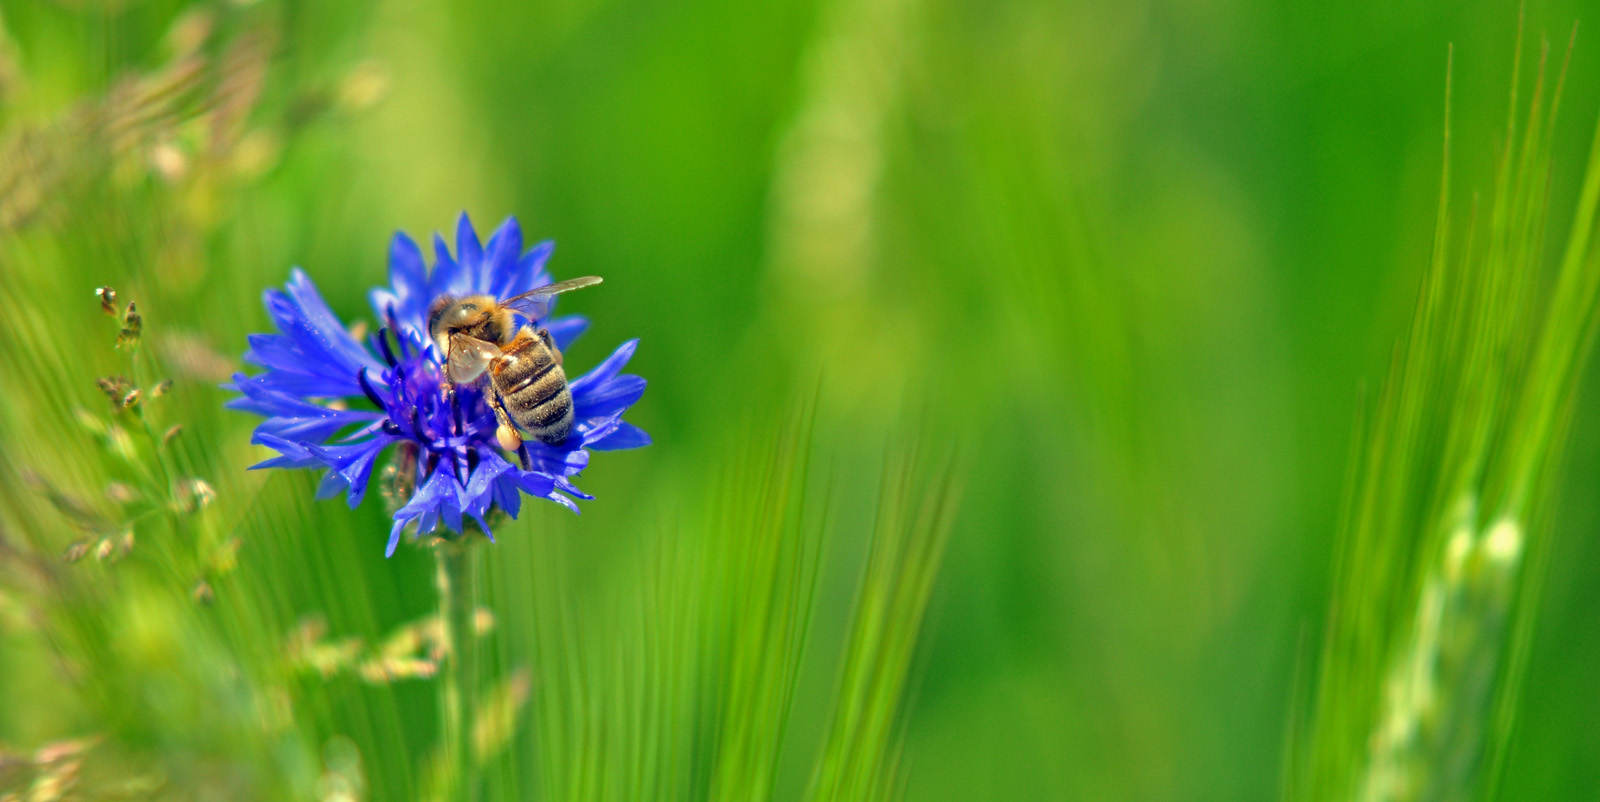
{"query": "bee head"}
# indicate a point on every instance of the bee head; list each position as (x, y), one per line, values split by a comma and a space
(436, 312)
(472, 315)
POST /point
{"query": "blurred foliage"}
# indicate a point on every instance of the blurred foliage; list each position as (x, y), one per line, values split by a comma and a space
(1442, 551)
(1140, 257)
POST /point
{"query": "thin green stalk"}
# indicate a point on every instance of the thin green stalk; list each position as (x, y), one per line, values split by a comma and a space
(456, 561)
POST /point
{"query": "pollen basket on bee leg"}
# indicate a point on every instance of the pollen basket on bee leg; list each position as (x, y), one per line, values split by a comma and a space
(508, 437)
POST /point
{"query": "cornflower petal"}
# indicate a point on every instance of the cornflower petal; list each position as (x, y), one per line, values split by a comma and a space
(625, 435)
(407, 274)
(527, 272)
(501, 254)
(469, 253)
(605, 370)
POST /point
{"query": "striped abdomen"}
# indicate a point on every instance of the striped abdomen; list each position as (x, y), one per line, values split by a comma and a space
(533, 387)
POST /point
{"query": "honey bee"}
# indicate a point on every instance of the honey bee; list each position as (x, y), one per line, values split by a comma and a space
(526, 387)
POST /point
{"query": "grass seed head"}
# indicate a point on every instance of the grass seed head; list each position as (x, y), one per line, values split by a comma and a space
(132, 328)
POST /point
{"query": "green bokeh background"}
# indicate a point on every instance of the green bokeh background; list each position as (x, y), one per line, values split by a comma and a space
(1147, 259)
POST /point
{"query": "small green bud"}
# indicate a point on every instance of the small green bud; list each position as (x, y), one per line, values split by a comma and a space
(89, 421)
(226, 557)
(120, 443)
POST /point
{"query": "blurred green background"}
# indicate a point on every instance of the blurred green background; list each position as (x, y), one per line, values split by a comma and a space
(1147, 260)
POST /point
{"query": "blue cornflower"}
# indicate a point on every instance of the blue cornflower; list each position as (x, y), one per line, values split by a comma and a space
(448, 460)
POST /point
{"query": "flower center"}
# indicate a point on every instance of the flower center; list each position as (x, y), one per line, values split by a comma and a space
(417, 406)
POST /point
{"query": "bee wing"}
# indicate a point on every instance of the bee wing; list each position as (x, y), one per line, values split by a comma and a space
(535, 303)
(469, 358)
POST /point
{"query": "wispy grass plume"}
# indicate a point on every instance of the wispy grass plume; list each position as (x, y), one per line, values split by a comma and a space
(678, 675)
(1439, 558)
(860, 759)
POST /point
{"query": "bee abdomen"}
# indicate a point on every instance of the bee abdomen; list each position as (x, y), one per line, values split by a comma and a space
(535, 390)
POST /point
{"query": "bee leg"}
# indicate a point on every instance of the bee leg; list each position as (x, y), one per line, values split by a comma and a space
(455, 411)
(507, 435)
(550, 343)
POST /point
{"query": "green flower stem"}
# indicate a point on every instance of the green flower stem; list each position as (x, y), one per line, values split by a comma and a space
(457, 605)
